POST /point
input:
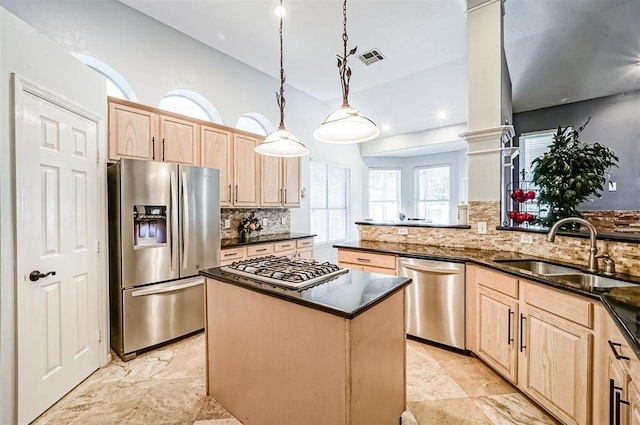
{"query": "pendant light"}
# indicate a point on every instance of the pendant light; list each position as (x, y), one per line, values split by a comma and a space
(346, 125)
(281, 142)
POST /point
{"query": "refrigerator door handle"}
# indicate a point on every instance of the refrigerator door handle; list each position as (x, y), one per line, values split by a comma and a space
(172, 288)
(174, 218)
(185, 220)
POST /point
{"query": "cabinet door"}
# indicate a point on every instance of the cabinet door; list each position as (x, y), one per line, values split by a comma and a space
(555, 365)
(179, 141)
(246, 171)
(215, 152)
(131, 133)
(634, 400)
(496, 331)
(291, 177)
(271, 181)
(305, 253)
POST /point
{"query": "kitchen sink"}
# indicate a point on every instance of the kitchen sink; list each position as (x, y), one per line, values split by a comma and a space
(539, 267)
(592, 281)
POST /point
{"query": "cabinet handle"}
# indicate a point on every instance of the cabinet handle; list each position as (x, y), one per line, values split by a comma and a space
(153, 148)
(509, 339)
(229, 193)
(364, 260)
(522, 346)
(284, 200)
(233, 254)
(162, 150)
(613, 346)
(236, 193)
(261, 250)
(619, 401)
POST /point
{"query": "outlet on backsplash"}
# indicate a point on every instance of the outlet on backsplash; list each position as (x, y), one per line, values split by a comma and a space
(265, 221)
(283, 221)
(227, 224)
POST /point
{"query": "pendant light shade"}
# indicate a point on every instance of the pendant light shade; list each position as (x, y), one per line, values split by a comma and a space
(346, 125)
(281, 142)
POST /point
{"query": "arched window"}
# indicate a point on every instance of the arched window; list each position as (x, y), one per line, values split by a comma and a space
(190, 103)
(117, 85)
(255, 123)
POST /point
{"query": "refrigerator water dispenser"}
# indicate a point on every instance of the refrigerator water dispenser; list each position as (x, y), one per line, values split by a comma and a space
(149, 225)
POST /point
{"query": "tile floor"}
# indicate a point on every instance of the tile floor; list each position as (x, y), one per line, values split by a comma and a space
(167, 386)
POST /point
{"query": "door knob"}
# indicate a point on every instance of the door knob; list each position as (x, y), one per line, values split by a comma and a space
(35, 275)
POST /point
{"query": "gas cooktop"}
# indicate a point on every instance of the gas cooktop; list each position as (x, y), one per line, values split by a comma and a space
(295, 273)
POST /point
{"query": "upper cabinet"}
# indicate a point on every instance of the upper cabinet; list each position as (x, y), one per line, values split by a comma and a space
(246, 173)
(280, 182)
(247, 180)
(179, 141)
(216, 152)
(131, 132)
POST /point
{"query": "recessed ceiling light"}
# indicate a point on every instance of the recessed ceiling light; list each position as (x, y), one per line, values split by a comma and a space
(280, 11)
(564, 99)
(386, 127)
(221, 36)
(442, 115)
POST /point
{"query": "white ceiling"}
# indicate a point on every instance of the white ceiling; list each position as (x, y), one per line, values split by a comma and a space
(556, 49)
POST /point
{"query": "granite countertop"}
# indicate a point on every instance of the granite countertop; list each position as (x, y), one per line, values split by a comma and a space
(234, 242)
(623, 303)
(347, 295)
(411, 223)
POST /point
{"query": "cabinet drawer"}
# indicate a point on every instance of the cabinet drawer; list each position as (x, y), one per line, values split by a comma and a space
(499, 282)
(233, 254)
(284, 246)
(259, 250)
(561, 304)
(384, 261)
(304, 243)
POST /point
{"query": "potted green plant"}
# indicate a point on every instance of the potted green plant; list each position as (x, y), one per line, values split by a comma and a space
(570, 173)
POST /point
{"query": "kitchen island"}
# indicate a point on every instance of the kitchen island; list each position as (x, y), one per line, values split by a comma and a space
(330, 354)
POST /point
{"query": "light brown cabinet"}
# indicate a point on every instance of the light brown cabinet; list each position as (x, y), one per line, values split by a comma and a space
(368, 261)
(280, 182)
(215, 152)
(496, 331)
(539, 338)
(131, 132)
(634, 400)
(246, 172)
(300, 248)
(140, 132)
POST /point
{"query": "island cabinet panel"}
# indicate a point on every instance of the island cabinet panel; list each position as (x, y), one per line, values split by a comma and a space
(496, 331)
(634, 400)
(246, 173)
(179, 141)
(273, 361)
(555, 365)
(215, 152)
(131, 133)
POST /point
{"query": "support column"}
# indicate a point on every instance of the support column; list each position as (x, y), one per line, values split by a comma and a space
(489, 109)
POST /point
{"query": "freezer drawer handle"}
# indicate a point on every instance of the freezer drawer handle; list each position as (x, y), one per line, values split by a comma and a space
(152, 291)
(432, 270)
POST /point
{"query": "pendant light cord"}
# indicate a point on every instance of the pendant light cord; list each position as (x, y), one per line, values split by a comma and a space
(280, 96)
(344, 70)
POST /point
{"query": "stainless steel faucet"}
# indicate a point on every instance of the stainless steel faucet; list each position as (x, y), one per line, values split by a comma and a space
(593, 234)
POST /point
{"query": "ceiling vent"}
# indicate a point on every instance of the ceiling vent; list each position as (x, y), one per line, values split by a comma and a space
(370, 57)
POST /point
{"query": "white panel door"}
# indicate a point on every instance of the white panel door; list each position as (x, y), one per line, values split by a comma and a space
(57, 231)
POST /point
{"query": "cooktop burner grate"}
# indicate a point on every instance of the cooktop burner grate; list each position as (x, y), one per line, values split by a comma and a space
(284, 271)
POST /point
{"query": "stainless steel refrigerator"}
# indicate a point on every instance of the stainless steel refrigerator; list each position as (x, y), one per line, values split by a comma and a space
(164, 226)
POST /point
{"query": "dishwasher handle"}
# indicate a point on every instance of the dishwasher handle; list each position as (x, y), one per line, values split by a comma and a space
(432, 270)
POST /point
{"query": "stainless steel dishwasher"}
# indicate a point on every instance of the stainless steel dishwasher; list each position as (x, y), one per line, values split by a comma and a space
(435, 300)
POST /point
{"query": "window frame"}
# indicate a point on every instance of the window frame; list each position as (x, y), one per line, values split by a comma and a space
(196, 98)
(418, 201)
(398, 200)
(109, 73)
(347, 204)
(262, 121)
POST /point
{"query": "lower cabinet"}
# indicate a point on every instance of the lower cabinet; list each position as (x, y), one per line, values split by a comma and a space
(539, 338)
(368, 261)
(634, 400)
(496, 331)
(293, 248)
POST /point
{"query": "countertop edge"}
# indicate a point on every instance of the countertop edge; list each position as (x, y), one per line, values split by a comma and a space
(410, 224)
(306, 303)
(502, 267)
(279, 237)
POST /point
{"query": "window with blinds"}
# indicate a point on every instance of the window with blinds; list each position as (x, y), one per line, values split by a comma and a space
(384, 194)
(433, 195)
(532, 146)
(329, 198)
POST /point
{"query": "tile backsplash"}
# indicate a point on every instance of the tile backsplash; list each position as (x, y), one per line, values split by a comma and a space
(568, 249)
(275, 218)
